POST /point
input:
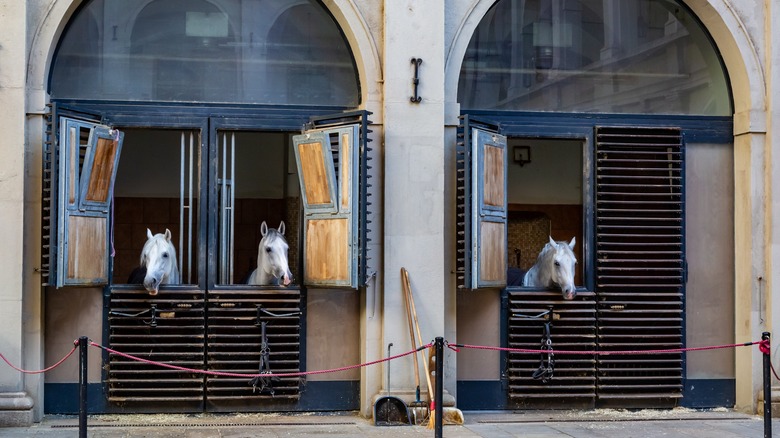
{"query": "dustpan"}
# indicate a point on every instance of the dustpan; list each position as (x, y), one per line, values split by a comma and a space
(390, 410)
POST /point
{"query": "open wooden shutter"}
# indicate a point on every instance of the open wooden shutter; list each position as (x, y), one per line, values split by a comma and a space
(482, 205)
(88, 157)
(332, 170)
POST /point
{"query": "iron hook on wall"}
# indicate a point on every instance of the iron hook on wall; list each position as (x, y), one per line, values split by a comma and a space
(416, 80)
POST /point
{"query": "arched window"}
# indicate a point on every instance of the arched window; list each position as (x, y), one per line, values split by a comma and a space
(247, 51)
(609, 56)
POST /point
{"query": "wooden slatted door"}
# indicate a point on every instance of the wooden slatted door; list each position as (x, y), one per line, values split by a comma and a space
(640, 263)
(573, 328)
(236, 345)
(169, 328)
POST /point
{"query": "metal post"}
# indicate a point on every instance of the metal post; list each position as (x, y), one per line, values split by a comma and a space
(83, 387)
(439, 398)
(767, 387)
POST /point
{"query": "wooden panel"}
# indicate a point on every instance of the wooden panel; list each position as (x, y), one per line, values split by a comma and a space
(492, 265)
(102, 170)
(327, 250)
(87, 250)
(345, 169)
(494, 176)
(315, 179)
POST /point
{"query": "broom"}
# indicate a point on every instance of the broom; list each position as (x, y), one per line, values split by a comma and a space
(453, 415)
(419, 408)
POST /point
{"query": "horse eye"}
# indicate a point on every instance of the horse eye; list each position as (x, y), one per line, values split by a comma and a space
(268, 249)
(165, 255)
(557, 263)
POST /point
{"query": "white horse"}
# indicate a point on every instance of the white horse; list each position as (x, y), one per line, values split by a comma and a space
(554, 268)
(158, 257)
(271, 258)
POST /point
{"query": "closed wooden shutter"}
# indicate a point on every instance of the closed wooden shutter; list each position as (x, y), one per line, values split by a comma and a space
(640, 263)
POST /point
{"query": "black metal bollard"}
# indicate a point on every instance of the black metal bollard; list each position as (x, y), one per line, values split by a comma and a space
(439, 386)
(767, 387)
(83, 387)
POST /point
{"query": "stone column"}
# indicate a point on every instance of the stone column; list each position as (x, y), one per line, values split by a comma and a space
(414, 172)
(15, 405)
(773, 154)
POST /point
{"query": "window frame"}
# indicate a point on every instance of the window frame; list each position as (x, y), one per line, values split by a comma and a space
(581, 126)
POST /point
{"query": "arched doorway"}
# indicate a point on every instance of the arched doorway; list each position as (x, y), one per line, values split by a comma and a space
(616, 118)
(209, 96)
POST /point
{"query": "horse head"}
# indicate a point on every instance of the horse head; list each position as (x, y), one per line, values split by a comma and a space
(159, 258)
(272, 265)
(563, 263)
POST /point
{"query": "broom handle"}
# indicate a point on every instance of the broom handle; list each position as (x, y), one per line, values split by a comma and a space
(407, 293)
(419, 337)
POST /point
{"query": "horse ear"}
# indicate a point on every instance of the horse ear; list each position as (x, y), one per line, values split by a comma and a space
(263, 229)
(149, 233)
(552, 242)
(168, 235)
(573, 241)
(281, 228)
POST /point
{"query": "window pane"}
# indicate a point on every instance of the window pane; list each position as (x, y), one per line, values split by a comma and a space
(616, 56)
(253, 178)
(157, 187)
(241, 51)
(544, 200)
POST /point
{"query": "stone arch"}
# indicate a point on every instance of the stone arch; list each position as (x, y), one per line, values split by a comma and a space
(746, 78)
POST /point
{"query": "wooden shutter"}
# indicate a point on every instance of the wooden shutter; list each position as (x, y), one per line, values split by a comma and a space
(88, 158)
(640, 263)
(482, 206)
(332, 170)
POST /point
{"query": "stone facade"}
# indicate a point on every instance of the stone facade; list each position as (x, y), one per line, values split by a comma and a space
(385, 35)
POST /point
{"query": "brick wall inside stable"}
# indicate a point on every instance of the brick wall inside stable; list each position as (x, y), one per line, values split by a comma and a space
(134, 215)
(529, 226)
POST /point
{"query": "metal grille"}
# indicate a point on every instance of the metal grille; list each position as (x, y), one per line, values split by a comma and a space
(169, 328)
(640, 264)
(573, 328)
(235, 346)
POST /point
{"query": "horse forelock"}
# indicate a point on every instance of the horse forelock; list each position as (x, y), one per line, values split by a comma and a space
(272, 236)
(161, 244)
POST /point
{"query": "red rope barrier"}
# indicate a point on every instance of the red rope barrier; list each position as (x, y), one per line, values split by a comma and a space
(224, 374)
(75, 345)
(761, 345)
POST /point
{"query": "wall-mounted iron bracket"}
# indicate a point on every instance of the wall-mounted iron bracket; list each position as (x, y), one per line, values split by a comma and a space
(416, 80)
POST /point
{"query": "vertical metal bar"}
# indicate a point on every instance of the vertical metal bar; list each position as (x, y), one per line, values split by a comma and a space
(767, 387)
(232, 202)
(439, 386)
(189, 219)
(222, 212)
(83, 387)
(181, 203)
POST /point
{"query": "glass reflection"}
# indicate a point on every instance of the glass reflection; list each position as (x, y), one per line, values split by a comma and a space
(237, 51)
(616, 56)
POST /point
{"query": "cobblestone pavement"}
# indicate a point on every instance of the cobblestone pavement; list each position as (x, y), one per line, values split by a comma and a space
(599, 423)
